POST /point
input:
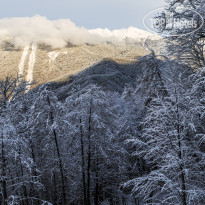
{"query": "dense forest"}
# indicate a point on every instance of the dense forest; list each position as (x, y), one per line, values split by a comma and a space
(112, 134)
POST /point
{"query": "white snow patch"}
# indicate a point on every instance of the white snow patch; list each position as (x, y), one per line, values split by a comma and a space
(52, 56)
(32, 59)
(23, 59)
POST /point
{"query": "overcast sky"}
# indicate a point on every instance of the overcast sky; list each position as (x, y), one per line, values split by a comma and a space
(112, 14)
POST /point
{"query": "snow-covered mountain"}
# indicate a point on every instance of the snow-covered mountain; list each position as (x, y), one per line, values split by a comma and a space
(42, 63)
(43, 50)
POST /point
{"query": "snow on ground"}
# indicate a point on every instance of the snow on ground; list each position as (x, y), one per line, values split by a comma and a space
(23, 59)
(32, 59)
(52, 56)
(122, 34)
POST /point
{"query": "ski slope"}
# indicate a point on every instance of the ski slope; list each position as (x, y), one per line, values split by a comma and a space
(32, 59)
(23, 59)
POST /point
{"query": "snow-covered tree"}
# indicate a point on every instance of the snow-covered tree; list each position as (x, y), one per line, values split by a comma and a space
(151, 83)
(15, 164)
(48, 131)
(10, 88)
(171, 146)
(185, 43)
(98, 158)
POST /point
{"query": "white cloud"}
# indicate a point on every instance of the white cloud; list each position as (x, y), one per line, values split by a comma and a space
(24, 30)
(57, 33)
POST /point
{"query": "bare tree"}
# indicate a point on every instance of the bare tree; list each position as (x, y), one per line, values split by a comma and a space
(186, 44)
(10, 88)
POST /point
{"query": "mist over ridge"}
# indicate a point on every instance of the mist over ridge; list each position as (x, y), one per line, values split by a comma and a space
(57, 33)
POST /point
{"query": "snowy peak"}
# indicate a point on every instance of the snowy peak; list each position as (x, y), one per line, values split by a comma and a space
(122, 34)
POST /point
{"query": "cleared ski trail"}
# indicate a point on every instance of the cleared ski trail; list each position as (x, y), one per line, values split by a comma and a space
(23, 59)
(32, 60)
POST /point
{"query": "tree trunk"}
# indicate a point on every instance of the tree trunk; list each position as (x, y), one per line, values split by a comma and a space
(183, 185)
(3, 168)
(55, 193)
(58, 154)
(83, 163)
(96, 182)
(22, 175)
(18, 181)
(89, 154)
(34, 173)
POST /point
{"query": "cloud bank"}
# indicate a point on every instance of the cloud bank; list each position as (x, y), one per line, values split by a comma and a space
(24, 30)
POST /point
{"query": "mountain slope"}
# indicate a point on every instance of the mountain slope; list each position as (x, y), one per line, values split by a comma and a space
(115, 76)
(44, 64)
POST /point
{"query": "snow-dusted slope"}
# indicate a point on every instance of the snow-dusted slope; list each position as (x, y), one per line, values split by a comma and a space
(122, 34)
(42, 63)
(23, 59)
(61, 49)
(32, 59)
